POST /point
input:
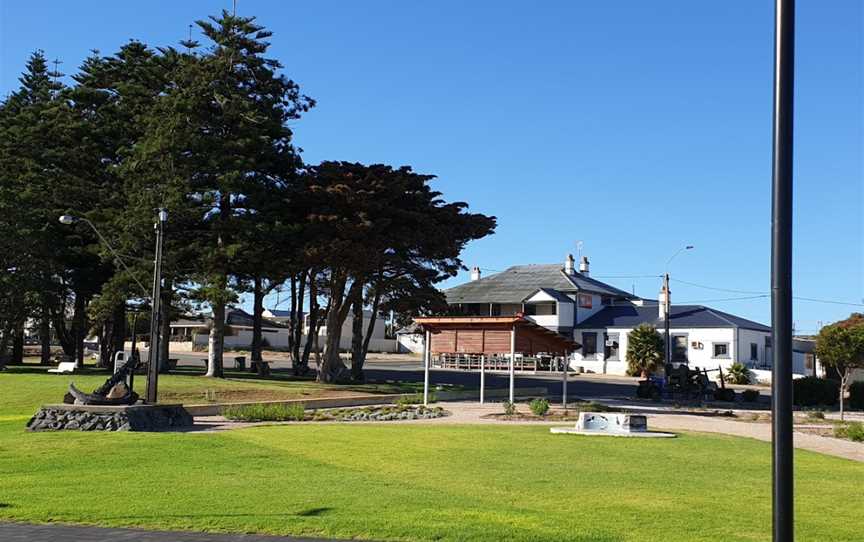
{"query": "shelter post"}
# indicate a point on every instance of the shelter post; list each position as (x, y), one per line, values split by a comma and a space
(564, 381)
(427, 350)
(482, 378)
(512, 361)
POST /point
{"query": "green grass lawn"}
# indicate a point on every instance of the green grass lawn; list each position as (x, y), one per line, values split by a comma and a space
(416, 482)
(24, 388)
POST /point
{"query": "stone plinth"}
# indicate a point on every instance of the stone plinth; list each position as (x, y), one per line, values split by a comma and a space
(616, 425)
(109, 418)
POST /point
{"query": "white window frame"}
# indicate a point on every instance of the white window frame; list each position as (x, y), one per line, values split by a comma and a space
(714, 352)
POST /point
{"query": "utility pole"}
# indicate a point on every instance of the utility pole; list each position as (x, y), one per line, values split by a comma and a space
(155, 316)
(781, 272)
(667, 338)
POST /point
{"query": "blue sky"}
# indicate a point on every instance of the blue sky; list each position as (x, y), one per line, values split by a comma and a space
(636, 127)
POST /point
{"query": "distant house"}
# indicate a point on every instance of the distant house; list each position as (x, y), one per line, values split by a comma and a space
(194, 330)
(600, 317)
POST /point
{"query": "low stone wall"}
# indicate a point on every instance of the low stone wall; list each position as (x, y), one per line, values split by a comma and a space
(215, 409)
(109, 418)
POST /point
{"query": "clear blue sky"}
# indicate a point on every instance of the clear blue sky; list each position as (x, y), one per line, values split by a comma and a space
(636, 127)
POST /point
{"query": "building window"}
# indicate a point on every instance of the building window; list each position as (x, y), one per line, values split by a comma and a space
(611, 347)
(679, 348)
(606, 300)
(585, 301)
(589, 345)
(547, 308)
(754, 352)
(721, 350)
(808, 361)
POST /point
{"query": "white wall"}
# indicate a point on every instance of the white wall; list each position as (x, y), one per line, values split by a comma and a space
(410, 342)
(745, 338)
(697, 357)
(243, 339)
(562, 319)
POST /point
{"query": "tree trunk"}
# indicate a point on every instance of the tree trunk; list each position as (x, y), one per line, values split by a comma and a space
(257, 316)
(844, 378)
(373, 317)
(18, 344)
(312, 332)
(65, 335)
(45, 335)
(357, 336)
(165, 326)
(79, 329)
(216, 341)
(298, 292)
(333, 370)
(118, 328)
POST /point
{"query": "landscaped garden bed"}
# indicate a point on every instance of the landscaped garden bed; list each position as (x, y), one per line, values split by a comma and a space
(539, 410)
(297, 412)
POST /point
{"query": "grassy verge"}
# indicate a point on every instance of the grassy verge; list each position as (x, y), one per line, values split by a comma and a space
(410, 482)
(24, 388)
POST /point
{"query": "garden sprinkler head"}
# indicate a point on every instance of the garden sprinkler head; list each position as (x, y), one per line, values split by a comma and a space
(68, 220)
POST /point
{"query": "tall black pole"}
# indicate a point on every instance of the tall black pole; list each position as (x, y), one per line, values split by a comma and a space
(153, 352)
(781, 271)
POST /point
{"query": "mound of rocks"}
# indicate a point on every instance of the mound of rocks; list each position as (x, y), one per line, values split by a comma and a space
(382, 414)
(109, 418)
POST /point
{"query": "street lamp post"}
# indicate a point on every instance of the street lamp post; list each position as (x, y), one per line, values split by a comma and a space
(155, 295)
(667, 308)
(781, 272)
(155, 315)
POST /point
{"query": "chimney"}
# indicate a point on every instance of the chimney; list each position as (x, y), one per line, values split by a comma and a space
(661, 301)
(583, 265)
(568, 264)
(475, 273)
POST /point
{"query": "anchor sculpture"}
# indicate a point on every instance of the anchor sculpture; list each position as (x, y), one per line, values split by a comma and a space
(117, 390)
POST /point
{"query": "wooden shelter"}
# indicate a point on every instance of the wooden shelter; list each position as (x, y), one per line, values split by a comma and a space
(500, 336)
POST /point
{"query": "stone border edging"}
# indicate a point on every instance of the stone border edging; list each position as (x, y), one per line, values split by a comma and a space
(215, 409)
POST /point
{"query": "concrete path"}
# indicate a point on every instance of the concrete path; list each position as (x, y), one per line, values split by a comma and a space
(25, 532)
(761, 431)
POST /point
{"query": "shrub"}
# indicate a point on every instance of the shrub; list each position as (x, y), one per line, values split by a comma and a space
(414, 399)
(724, 394)
(644, 350)
(738, 373)
(853, 431)
(816, 415)
(509, 408)
(539, 407)
(277, 412)
(750, 396)
(813, 391)
(856, 396)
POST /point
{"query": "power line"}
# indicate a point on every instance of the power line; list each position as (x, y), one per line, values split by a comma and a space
(766, 294)
(718, 289)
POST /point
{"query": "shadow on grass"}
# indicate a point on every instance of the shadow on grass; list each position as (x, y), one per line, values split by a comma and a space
(307, 513)
(7, 505)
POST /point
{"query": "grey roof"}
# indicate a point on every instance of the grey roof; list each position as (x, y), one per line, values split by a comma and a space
(279, 313)
(554, 294)
(519, 282)
(234, 317)
(629, 316)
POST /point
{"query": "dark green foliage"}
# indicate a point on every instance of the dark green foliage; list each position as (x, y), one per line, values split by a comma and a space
(539, 407)
(750, 396)
(644, 350)
(813, 391)
(415, 399)
(853, 431)
(276, 412)
(856, 396)
(738, 373)
(509, 408)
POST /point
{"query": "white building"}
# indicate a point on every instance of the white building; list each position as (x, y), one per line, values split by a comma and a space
(190, 331)
(600, 317)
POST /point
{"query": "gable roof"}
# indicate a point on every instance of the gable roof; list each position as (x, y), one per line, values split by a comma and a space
(519, 282)
(233, 317)
(279, 313)
(629, 316)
